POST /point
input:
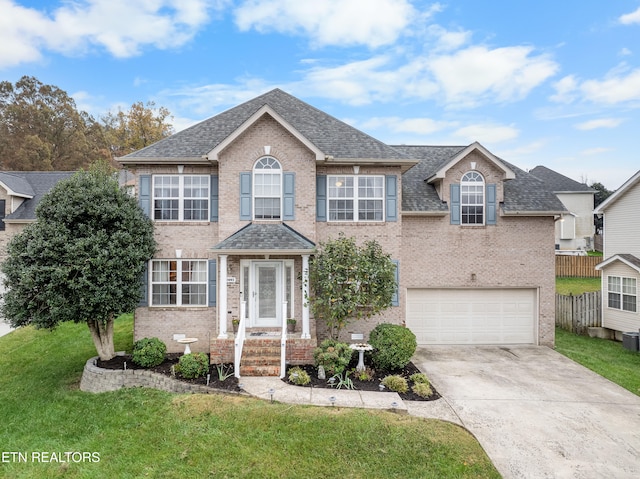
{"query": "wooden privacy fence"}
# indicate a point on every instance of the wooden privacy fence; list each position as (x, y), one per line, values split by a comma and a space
(580, 266)
(577, 313)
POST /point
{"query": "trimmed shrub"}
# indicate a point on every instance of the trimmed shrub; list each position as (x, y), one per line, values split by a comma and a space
(419, 378)
(395, 383)
(333, 356)
(299, 376)
(393, 346)
(367, 374)
(422, 389)
(148, 352)
(194, 365)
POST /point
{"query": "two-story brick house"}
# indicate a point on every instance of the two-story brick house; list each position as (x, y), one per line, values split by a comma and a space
(241, 200)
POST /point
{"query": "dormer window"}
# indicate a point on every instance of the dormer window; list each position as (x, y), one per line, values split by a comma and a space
(472, 198)
(267, 192)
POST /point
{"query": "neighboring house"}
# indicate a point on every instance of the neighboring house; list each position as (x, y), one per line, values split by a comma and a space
(241, 200)
(620, 267)
(574, 231)
(20, 193)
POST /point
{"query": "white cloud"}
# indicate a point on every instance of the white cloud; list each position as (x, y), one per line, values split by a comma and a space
(122, 27)
(599, 123)
(565, 90)
(487, 133)
(329, 22)
(616, 87)
(477, 74)
(630, 18)
(595, 151)
(420, 126)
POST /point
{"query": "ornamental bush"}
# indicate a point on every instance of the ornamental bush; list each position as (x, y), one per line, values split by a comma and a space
(396, 383)
(148, 352)
(299, 376)
(333, 356)
(422, 389)
(193, 365)
(393, 346)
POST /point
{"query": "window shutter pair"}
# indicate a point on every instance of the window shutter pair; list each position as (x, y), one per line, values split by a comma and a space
(288, 196)
(391, 198)
(491, 204)
(213, 281)
(144, 196)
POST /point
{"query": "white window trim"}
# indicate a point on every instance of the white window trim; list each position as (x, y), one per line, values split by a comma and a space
(179, 283)
(355, 198)
(622, 294)
(484, 198)
(181, 198)
(254, 197)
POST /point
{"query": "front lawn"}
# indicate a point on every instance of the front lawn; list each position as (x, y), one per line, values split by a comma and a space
(134, 433)
(607, 358)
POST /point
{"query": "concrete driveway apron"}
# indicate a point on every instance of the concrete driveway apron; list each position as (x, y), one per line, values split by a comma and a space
(536, 413)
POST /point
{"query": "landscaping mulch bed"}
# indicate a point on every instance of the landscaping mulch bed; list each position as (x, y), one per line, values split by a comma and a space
(171, 359)
(373, 385)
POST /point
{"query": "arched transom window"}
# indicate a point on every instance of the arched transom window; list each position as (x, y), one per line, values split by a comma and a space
(472, 198)
(267, 189)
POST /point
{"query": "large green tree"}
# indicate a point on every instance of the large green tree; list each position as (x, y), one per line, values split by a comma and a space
(140, 126)
(82, 260)
(350, 282)
(41, 129)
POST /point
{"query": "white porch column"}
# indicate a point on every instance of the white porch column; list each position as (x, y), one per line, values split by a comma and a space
(305, 294)
(222, 296)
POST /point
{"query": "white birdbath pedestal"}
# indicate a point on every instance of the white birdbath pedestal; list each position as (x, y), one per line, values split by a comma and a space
(187, 341)
(361, 348)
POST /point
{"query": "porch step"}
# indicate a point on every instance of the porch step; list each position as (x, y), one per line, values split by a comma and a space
(260, 357)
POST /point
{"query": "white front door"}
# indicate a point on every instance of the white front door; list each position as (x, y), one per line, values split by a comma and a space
(266, 294)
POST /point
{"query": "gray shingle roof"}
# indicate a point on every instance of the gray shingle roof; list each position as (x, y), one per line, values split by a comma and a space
(266, 237)
(330, 135)
(523, 194)
(559, 183)
(31, 183)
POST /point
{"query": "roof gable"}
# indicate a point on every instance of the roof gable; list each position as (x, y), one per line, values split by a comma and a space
(442, 171)
(39, 183)
(619, 193)
(628, 259)
(329, 137)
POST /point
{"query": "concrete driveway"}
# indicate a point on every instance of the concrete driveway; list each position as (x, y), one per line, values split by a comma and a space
(536, 413)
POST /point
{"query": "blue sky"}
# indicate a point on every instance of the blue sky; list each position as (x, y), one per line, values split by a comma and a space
(544, 82)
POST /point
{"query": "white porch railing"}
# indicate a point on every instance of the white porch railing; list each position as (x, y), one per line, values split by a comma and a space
(239, 341)
(283, 341)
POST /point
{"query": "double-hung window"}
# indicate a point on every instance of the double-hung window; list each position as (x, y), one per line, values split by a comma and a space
(472, 198)
(181, 197)
(621, 293)
(178, 282)
(356, 198)
(267, 194)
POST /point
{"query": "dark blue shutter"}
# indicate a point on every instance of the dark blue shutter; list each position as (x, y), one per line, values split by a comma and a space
(144, 195)
(289, 196)
(213, 281)
(321, 198)
(213, 202)
(491, 204)
(454, 199)
(395, 299)
(245, 196)
(392, 197)
(3, 206)
(144, 288)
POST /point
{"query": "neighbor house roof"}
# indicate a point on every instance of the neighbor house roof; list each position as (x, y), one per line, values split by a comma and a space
(31, 185)
(263, 238)
(524, 194)
(628, 259)
(559, 183)
(619, 193)
(334, 138)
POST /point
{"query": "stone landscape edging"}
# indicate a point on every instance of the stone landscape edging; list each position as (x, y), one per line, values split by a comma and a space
(99, 380)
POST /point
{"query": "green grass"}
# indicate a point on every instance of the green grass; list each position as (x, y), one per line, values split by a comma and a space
(607, 358)
(576, 286)
(148, 433)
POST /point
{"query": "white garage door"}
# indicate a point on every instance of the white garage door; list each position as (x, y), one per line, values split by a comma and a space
(472, 316)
